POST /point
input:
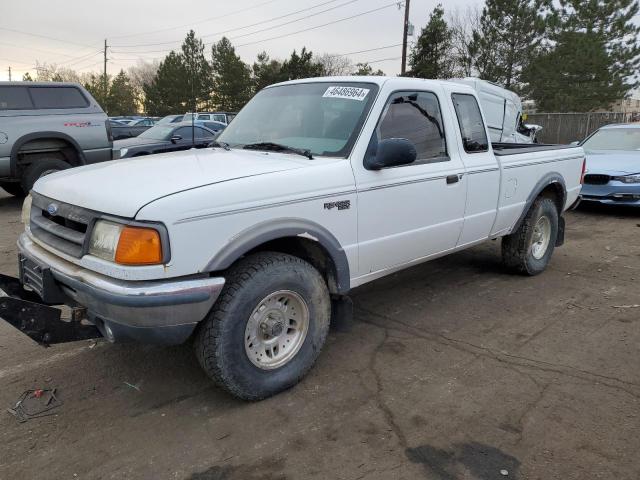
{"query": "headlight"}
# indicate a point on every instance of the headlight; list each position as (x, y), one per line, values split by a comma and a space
(125, 244)
(123, 152)
(627, 179)
(26, 210)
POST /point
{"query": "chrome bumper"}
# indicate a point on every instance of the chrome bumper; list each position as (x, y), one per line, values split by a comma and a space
(154, 311)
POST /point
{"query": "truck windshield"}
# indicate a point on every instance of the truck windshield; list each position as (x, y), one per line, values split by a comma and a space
(614, 139)
(322, 118)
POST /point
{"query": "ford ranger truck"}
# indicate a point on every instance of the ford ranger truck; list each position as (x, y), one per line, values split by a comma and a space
(318, 186)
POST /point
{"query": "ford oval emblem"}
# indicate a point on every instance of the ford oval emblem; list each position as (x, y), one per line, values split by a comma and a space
(52, 209)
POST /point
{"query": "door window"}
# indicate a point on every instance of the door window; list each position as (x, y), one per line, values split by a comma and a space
(474, 135)
(415, 116)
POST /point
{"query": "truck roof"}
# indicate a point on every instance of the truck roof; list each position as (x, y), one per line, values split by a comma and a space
(380, 80)
(39, 84)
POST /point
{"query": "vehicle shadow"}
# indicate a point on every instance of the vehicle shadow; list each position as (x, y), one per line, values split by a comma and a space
(9, 202)
(620, 211)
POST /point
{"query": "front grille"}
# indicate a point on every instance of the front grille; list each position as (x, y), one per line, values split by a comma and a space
(596, 179)
(60, 225)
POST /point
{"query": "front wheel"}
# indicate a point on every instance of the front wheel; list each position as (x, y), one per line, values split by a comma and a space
(267, 327)
(528, 250)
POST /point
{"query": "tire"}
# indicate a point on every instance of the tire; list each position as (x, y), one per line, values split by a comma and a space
(224, 342)
(40, 168)
(524, 251)
(12, 188)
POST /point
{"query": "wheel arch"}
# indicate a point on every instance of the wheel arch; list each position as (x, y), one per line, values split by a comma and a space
(551, 185)
(301, 238)
(43, 136)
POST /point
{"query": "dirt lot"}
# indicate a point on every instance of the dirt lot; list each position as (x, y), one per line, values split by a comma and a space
(451, 370)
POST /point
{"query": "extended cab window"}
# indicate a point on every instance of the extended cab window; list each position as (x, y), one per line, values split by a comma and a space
(415, 116)
(58, 97)
(474, 135)
(15, 98)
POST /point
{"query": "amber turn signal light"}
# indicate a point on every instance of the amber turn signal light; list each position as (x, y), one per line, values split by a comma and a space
(139, 246)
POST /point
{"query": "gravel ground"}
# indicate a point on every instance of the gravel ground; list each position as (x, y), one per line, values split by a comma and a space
(451, 370)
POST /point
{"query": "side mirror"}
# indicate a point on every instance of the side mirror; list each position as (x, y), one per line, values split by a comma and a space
(391, 152)
(176, 138)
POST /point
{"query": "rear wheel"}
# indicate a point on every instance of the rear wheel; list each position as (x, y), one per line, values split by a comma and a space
(12, 188)
(267, 327)
(528, 250)
(41, 167)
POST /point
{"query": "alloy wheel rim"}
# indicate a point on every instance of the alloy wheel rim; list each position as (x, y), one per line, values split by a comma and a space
(276, 329)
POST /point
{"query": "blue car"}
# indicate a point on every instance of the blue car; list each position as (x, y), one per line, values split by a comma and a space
(613, 165)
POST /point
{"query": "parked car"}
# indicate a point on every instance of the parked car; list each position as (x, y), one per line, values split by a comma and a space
(130, 128)
(317, 187)
(46, 127)
(211, 125)
(170, 119)
(613, 165)
(222, 117)
(165, 138)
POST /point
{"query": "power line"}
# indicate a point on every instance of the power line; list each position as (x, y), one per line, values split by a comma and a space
(46, 37)
(319, 26)
(217, 17)
(249, 26)
(238, 28)
(34, 49)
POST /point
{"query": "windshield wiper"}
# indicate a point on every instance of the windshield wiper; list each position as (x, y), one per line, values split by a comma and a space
(224, 145)
(277, 147)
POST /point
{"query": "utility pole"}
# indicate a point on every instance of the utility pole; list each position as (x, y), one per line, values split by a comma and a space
(9, 73)
(104, 73)
(404, 37)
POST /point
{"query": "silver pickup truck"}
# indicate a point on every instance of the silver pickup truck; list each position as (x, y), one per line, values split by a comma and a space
(46, 127)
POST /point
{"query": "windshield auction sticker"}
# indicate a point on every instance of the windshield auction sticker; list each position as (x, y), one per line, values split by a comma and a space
(350, 93)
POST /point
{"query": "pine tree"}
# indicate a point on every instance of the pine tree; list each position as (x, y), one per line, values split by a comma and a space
(122, 96)
(301, 66)
(431, 56)
(592, 59)
(197, 83)
(509, 34)
(266, 72)
(95, 86)
(167, 94)
(232, 85)
(364, 69)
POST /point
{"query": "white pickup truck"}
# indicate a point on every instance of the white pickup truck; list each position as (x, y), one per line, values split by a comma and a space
(317, 187)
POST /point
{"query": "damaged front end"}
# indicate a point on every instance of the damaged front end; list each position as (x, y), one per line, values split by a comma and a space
(40, 321)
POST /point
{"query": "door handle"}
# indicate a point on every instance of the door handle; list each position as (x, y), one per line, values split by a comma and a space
(452, 179)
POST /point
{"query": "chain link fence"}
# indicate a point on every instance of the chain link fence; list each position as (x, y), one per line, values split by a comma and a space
(569, 127)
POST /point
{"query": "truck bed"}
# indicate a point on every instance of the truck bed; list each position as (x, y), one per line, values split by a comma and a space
(502, 149)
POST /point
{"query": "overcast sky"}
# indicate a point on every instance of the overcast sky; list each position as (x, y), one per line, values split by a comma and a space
(71, 33)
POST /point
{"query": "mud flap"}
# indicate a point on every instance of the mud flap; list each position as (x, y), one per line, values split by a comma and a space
(561, 229)
(25, 311)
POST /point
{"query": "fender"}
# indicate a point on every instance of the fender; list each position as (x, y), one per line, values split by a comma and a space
(282, 228)
(41, 135)
(549, 179)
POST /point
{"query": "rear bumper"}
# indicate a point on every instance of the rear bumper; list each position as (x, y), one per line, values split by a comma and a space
(161, 311)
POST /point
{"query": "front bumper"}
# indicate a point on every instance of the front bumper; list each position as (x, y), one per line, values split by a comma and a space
(613, 193)
(160, 311)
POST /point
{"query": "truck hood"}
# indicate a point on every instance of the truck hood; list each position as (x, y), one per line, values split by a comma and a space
(122, 187)
(613, 162)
